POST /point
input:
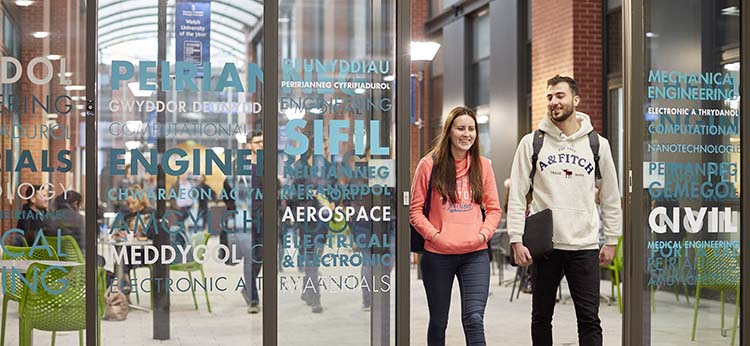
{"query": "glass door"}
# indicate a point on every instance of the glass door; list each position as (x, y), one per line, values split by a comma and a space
(686, 159)
(179, 108)
(336, 172)
(42, 181)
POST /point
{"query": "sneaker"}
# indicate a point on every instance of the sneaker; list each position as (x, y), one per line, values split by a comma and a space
(253, 308)
(316, 309)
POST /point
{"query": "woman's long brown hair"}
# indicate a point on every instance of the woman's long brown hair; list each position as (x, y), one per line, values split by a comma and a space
(444, 177)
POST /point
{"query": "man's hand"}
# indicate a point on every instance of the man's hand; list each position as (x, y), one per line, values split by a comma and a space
(521, 255)
(606, 255)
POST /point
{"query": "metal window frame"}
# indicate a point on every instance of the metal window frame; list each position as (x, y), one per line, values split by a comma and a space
(403, 178)
(92, 199)
(270, 163)
(633, 81)
(744, 160)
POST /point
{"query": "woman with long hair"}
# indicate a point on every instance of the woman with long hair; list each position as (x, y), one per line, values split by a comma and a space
(455, 233)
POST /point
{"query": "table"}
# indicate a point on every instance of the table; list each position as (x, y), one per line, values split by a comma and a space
(118, 267)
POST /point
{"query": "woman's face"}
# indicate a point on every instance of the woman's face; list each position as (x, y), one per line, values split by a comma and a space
(463, 133)
(41, 196)
(133, 204)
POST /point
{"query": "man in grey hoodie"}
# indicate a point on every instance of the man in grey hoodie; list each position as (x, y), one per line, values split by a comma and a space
(565, 182)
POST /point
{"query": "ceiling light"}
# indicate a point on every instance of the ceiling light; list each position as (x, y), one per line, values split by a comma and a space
(734, 67)
(730, 11)
(54, 57)
(293, 113)
(483, 119)
(75, 87)
(423, 51)
(24, 3)
(132, 145)
(651, 35)
(40, 34)
(218, 150)
(389, 78)
(359, 91)
(241, 138)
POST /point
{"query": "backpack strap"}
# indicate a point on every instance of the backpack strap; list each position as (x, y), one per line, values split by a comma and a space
(537, 144)
(594, 143)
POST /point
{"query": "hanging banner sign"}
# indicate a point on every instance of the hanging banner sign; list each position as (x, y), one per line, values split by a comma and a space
(192, 27)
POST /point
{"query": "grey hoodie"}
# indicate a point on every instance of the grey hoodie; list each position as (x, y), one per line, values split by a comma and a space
(565, 183)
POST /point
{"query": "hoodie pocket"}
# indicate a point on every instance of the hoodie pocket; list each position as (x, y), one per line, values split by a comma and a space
(574, 227)
(458, 237)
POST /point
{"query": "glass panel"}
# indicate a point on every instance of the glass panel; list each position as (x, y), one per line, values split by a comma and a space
(481, 77)
(337, 172)
(188, 273)
(42, 178)
(617, 134)
(480, 37)
(691, 172)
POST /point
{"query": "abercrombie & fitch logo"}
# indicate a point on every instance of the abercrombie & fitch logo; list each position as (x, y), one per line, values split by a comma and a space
(567, 159)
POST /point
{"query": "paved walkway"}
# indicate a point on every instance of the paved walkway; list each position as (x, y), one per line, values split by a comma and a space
(344, 322)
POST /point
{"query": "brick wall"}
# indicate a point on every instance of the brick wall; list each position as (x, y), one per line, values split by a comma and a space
(566, 40)
(420, 13)
(64, 24)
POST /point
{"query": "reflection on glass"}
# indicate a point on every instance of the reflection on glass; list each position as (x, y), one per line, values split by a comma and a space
(691, 172)
(42, 132)
(336, 174)
(182, 252)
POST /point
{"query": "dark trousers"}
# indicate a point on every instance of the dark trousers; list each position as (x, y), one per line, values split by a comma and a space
(581, 268)
(473, 271)
(255, 267)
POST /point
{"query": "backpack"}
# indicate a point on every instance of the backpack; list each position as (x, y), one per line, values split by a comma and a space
(539, 141)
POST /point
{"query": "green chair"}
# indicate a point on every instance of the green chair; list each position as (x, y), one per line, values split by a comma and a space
(61, 306)
(135, 277)
(73, 253)
(101, 304)
(724, 272)
(615, 268)
(14, 285)
(680, 264)
(200, 238)
(70, 248)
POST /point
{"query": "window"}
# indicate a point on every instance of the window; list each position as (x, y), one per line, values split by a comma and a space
(479, 82)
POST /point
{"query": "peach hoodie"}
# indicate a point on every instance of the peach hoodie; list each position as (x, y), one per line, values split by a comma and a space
(460, 224)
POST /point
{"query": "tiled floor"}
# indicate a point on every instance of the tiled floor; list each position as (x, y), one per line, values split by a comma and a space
(343, 322)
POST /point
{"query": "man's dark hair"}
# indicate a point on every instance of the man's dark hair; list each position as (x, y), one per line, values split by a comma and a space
(559, 79)
(30, 191)
(257, 133)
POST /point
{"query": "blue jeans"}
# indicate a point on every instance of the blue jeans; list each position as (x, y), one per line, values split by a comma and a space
(247, 245)
(473, 272)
